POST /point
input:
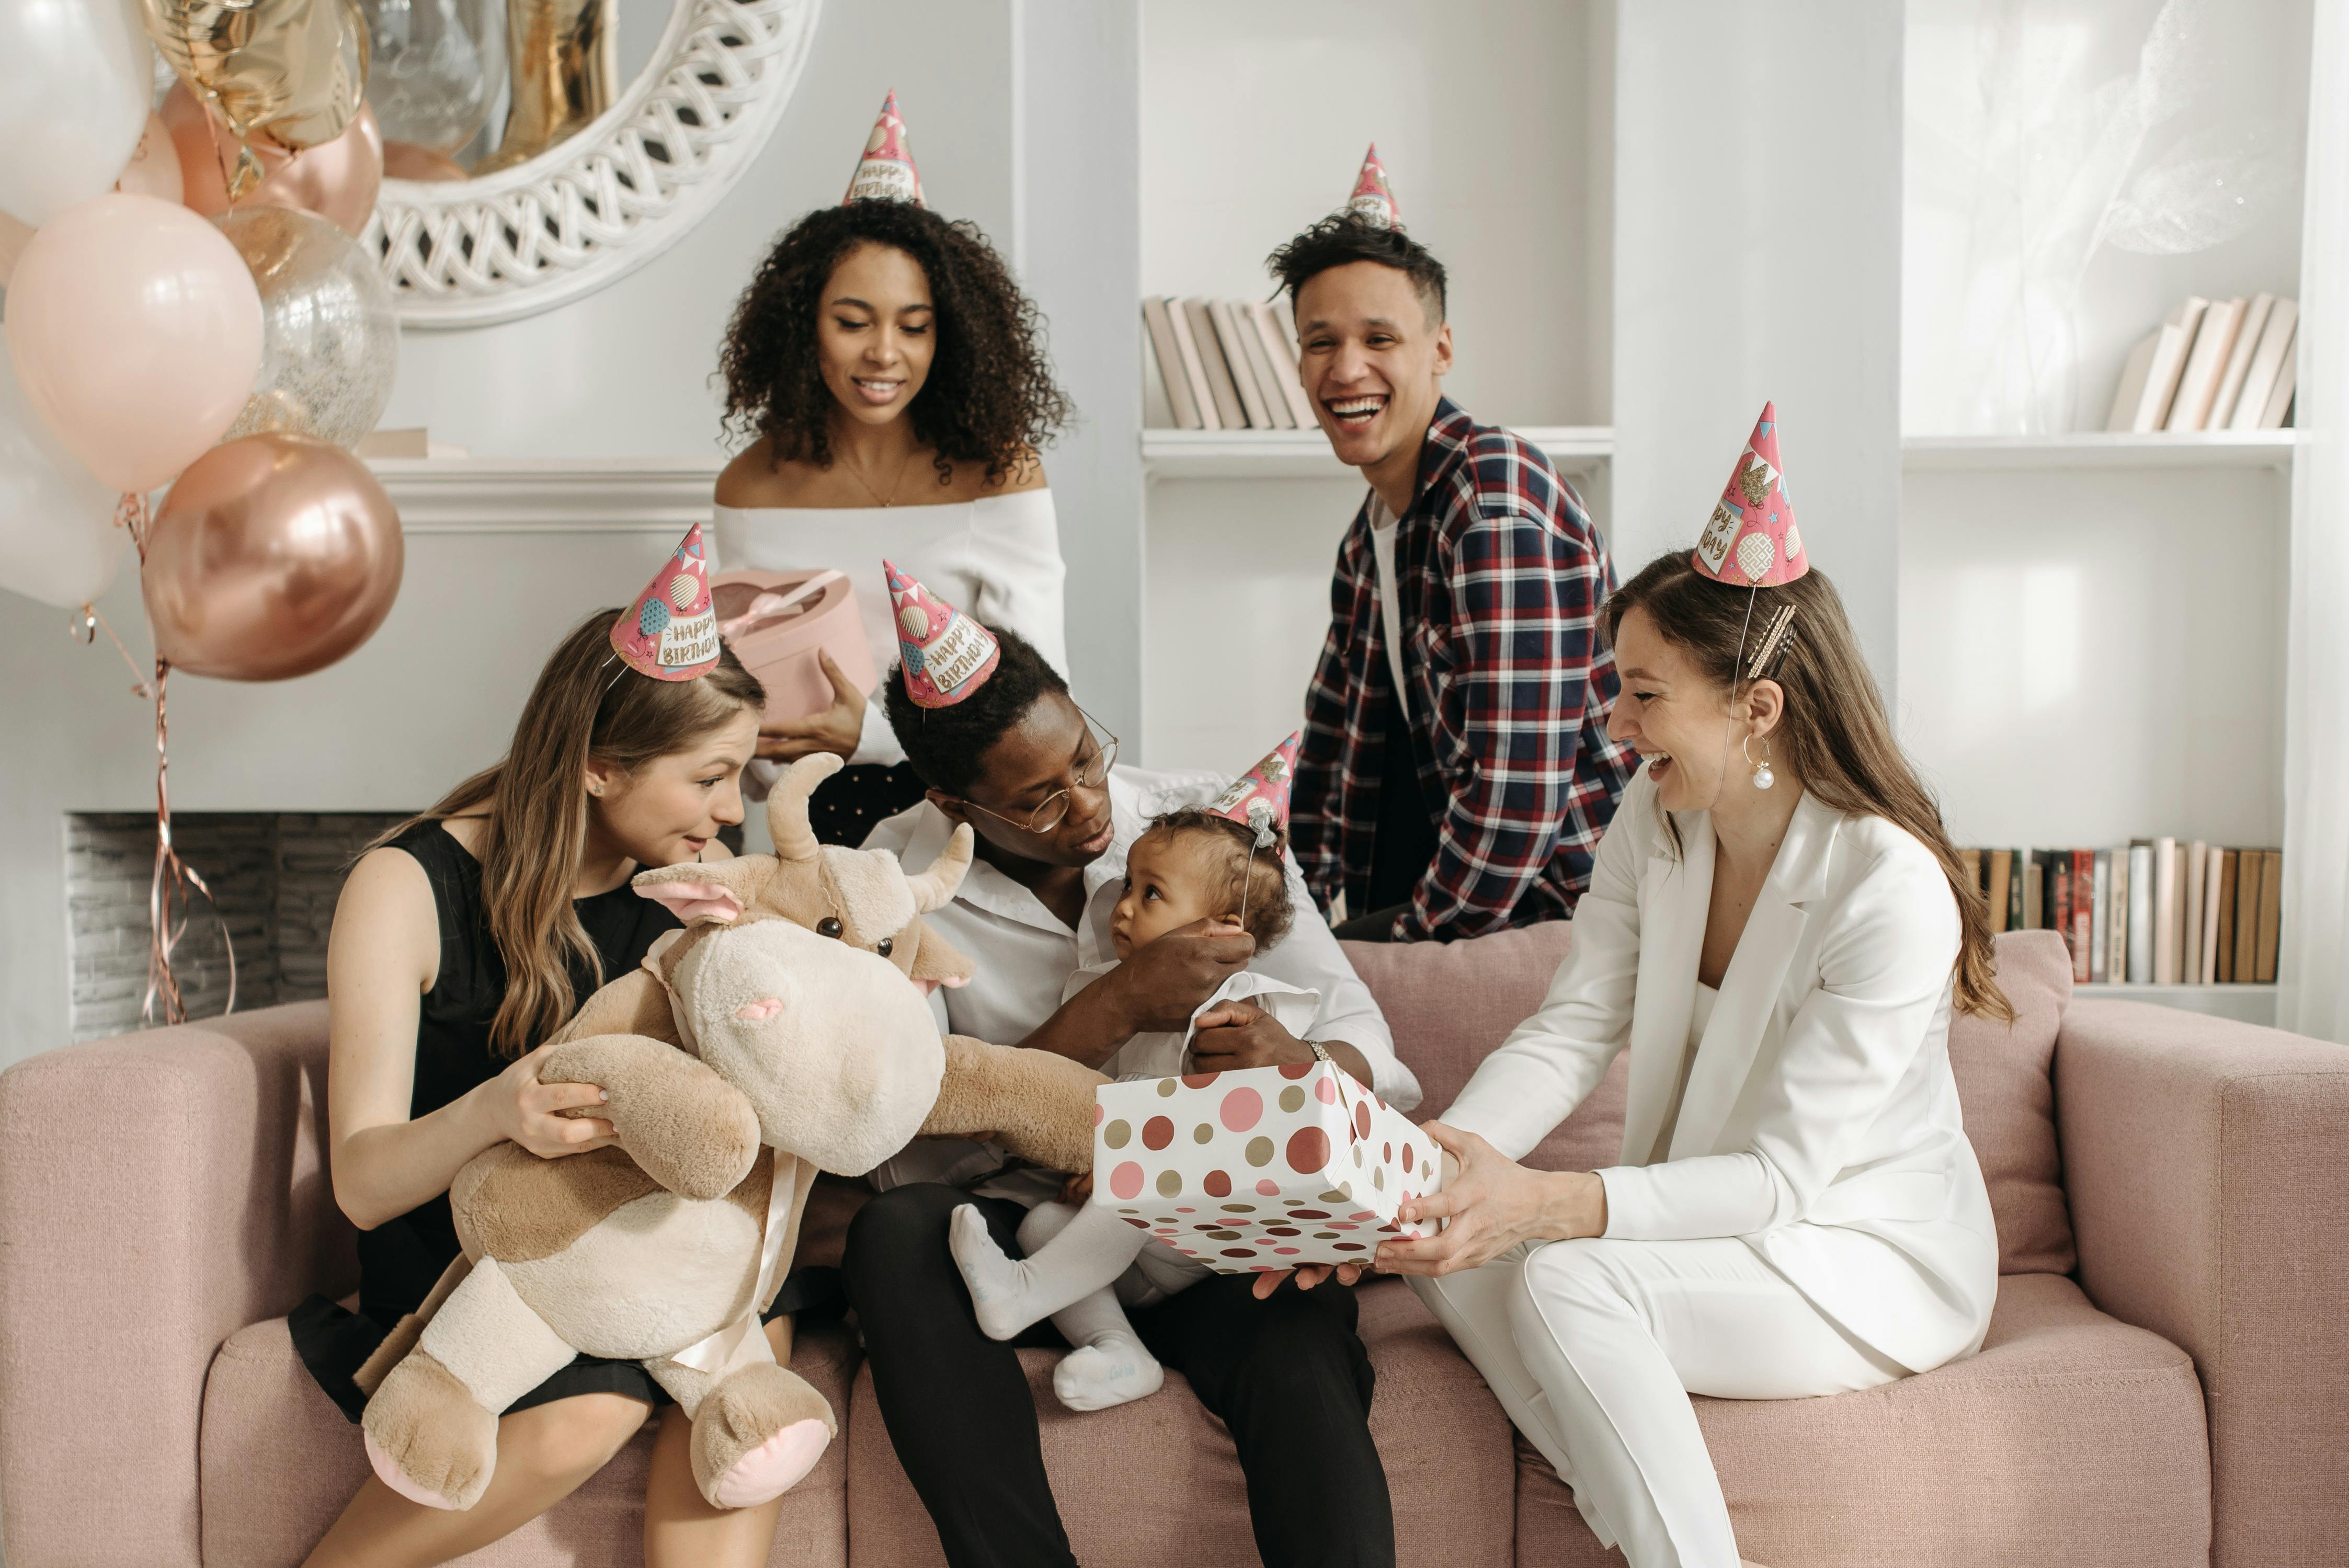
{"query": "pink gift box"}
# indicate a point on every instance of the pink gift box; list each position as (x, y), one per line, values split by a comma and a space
(780, 649)
(1263, 1168)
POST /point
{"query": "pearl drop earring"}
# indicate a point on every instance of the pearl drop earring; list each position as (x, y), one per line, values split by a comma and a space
(1763, 777)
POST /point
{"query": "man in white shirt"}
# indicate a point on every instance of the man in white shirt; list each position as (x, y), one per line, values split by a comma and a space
(1020, 763)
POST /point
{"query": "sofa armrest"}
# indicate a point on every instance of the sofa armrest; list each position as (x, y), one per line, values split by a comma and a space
(157, 1192)
(2208, 1167)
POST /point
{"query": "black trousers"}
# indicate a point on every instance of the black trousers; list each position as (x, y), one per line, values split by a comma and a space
(1287, 1376)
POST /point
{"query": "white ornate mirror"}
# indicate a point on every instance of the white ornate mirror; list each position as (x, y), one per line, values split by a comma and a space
(602, 198)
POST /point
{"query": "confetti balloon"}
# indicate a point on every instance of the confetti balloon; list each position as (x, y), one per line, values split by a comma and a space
(330, 339)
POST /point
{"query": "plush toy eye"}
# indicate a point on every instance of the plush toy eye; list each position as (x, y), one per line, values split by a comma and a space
(886, 946)
(828, 926)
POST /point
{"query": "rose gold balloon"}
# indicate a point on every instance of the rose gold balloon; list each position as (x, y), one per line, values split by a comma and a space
(272, 557)
(154, 166)
(336, 180)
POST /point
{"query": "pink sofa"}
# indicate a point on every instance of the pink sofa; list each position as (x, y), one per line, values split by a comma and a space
(2166, 1382)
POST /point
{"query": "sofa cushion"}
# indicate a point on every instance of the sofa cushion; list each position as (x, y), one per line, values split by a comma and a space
(2007, 1094)
(1157, 1481)
(2071, 1437)
(1450, 1003)
(278, 1462)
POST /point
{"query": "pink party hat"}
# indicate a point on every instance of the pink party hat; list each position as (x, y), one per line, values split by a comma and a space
(886, 172)
(1751, 540)
(1373, 198)
(947, 654)
(670, 633)
(1258, 798)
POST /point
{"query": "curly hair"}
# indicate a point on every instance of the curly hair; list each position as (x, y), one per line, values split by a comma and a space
(1345, 237)
(1251, 879)
(989, 395)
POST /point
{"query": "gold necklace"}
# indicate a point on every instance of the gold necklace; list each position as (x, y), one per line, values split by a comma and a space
(894, 485)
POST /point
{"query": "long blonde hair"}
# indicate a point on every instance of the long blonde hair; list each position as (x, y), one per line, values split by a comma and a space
(1835, 732)
(586, 705)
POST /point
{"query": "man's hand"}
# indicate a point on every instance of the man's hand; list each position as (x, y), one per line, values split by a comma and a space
(1242, 1034)
(1164, 983)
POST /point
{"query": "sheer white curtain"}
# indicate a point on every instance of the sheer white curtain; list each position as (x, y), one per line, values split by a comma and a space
(2315, 962)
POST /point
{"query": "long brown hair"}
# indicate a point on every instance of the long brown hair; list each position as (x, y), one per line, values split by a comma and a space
(586, 705)
(1835, 733)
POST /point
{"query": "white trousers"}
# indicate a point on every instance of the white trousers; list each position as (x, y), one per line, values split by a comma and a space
(1594, 1347)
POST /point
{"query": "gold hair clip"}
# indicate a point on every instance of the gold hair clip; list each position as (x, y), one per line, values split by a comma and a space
(1774, 639)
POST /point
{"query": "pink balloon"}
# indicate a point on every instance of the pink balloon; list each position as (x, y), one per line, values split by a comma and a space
(136, 333)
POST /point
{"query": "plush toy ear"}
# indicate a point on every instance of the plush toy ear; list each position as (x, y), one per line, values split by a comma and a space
(714, 894)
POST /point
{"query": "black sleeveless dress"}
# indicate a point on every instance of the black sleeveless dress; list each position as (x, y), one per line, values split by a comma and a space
(402, 1259)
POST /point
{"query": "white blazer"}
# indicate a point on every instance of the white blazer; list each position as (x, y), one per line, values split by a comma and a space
(1820, 1124)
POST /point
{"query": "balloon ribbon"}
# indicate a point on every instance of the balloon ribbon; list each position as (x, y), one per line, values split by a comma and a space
(168, 900)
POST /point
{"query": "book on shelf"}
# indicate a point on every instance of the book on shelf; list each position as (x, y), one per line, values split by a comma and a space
(2238, 362)
(2142, 404)
(2211, 364)
(1244, 378)
(1195, 369)
(1281, 352)
(2152, 911)
(1220, 384)
(1171, 371)
(2270, 370)
(2197, 384)
(1227, 364)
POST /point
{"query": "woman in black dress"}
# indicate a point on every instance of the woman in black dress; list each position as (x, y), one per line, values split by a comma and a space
(462, 942)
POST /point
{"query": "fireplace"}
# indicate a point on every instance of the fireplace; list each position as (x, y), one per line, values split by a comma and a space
(276, 874)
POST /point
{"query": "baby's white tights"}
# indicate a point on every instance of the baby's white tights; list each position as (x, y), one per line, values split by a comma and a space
(1075, 1253)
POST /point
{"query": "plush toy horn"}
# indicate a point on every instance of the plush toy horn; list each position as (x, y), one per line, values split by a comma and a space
(935, 886)
(787, 806)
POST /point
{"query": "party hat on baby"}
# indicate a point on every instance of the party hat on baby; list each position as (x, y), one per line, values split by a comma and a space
(670, 633)
(886, 172)
(947, 654)
(1751, 540)
(1373, 200)
(1258, 798)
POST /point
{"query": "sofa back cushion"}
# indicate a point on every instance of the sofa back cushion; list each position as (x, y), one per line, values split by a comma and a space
(1450, 1004)
(2008, 1097)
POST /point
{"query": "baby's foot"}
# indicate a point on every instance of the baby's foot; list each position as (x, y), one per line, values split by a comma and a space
(999, 1285)
(1112, 1370)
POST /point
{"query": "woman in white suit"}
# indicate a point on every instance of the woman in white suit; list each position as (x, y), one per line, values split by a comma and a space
(1777, 928)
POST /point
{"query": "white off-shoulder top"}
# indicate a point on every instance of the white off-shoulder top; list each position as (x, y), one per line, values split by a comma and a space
(997, 559)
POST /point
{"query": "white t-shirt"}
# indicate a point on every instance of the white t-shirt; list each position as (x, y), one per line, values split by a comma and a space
(1025, 956)
(1384, 524)
(996, 559)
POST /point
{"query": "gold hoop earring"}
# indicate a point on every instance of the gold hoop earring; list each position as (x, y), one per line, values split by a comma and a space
(1763, 777)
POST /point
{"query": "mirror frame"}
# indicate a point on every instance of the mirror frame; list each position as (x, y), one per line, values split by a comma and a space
(593, 209)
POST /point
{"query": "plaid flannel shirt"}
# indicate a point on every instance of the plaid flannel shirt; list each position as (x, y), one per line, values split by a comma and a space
(1499, 576)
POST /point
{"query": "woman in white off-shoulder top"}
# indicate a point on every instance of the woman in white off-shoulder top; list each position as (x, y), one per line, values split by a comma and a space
(890, 370)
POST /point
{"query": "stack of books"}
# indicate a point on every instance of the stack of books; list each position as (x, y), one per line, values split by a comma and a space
(2214, 364)
(2158, 912)
(1227, 364)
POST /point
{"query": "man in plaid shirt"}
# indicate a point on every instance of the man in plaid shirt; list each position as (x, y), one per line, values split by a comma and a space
(1455, 773)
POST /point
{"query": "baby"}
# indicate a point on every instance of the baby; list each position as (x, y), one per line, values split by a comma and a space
(1191, 864)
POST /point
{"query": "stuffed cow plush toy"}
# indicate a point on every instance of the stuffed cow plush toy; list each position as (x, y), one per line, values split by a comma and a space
(785, 1031)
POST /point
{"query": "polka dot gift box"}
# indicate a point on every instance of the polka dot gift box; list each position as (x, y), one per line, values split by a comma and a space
(1263, 1168)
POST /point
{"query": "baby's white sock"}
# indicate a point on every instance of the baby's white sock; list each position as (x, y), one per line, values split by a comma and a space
(1109, 1365)
(1009, 1294)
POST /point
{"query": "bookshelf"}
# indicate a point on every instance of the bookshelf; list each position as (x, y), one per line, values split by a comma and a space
(2099, 449)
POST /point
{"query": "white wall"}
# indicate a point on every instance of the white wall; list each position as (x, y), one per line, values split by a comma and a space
(2088, 657)
(1757, 257)
(1495, 121)
(2002, 163)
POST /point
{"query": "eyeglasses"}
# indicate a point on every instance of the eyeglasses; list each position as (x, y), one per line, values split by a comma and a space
(1091, 773)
